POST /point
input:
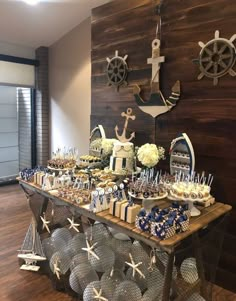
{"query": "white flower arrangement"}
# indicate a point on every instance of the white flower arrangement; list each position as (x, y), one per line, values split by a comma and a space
(149, 154)
(107, 146)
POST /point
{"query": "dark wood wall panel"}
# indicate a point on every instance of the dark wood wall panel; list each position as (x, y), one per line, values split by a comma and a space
(207, 113)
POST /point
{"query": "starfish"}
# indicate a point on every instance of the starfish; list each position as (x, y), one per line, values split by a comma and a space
(45, 222)
(73, 225)
(90, 251)
(56, 269)
(98, 295)
(135, 266)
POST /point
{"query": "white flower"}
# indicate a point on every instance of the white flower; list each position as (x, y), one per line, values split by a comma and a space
(149, 154)
(107, 146)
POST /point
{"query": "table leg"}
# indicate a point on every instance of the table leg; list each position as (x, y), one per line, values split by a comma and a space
(168, 278)
(37, 206)
(200, 266)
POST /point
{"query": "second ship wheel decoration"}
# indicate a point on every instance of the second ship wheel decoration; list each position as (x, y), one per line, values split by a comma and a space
(217, 58)
(117, 70)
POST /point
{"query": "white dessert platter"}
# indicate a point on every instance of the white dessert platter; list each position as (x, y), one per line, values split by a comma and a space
(61, 169)
(151, 199)
(149, 203)
(193, 210)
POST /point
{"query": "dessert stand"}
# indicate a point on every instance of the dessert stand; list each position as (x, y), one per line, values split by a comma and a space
(149, 202)
(193, 210)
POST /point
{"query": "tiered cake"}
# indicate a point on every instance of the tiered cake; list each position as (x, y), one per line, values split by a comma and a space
(122, 159)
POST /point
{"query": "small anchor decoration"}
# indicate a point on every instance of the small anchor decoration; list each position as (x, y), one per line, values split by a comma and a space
(128, 115)
(157, 104)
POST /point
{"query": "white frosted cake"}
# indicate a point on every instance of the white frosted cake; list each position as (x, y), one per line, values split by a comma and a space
(122, 159)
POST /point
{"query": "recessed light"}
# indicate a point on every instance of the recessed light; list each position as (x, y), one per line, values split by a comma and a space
(31, 2)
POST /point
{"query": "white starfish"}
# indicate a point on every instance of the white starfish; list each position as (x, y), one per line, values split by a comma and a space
(73, 225)
(90, 251)
(45, 222)
(56, 269)
(135, 266)
(98, 295)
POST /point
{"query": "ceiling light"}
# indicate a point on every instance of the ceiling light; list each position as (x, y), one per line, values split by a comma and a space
(31, 2)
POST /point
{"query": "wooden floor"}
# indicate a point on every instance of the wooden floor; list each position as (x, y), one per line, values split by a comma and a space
(17, 285)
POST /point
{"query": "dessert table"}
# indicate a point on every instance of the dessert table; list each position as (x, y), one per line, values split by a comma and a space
(210, 218)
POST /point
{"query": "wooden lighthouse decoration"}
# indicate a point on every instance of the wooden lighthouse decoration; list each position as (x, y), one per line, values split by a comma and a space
(157, 104)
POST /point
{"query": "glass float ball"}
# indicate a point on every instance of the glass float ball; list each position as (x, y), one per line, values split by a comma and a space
(85, 274)
(196, 297)
(127, 291)
(110, 280)
(63, 260)
(188, 270)
(51, 245)
(78, 259)
(62, 233)
(74, 281)
(141, 282)
(106, 259)
(98, 233)
(155, 279)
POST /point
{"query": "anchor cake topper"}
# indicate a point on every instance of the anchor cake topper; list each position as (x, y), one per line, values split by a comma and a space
(157, 104)
(128, 115)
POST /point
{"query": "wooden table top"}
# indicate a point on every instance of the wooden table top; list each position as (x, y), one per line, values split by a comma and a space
(207, 216)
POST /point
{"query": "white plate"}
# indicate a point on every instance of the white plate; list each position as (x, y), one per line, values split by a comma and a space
(61, 169)
(151, 199)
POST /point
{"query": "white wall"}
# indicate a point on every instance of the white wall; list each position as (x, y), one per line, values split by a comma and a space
(70, 89)
(17, 50)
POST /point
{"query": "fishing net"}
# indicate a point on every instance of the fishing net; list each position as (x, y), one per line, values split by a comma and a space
(106, 259)
(76, 244)
(51, 245)
(110, 280)
(139, 254)
(188, 270)
(63, 260)
(78, 259)
(94, 291)
(151, 294)
(63, 234)
(127, 290)
(121, 247)
(141, 282)
(57, 215)
(119, 263)
(98, 233)
(196, 297)
(83, 274)
(163, 256)
(74, 281)
(155, 279)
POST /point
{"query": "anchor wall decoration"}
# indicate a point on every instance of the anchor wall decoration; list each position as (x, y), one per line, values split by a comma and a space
(157, 104)
(128, 115)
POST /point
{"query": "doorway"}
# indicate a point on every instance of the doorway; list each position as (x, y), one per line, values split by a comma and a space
(15, 131)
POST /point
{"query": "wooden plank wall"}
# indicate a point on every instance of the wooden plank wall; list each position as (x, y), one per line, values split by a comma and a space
(205, 112)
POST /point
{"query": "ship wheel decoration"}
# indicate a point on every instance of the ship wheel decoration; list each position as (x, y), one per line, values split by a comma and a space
(217, 58)
(117, 70)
